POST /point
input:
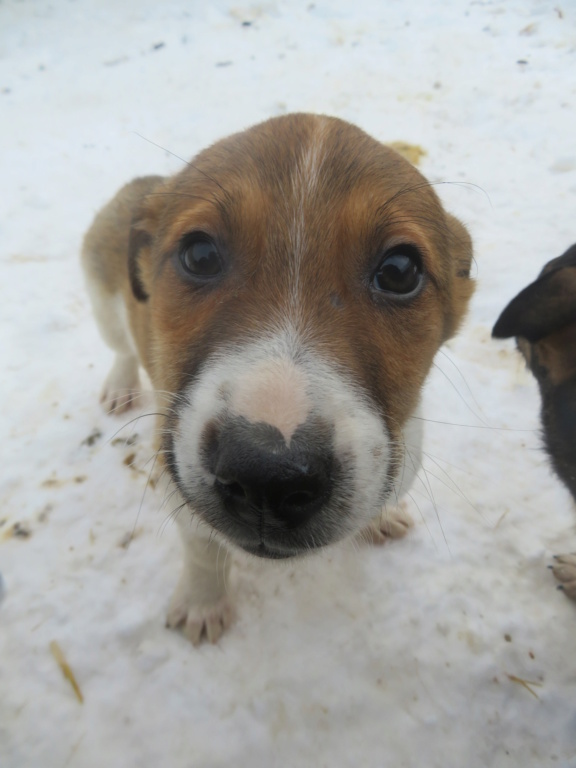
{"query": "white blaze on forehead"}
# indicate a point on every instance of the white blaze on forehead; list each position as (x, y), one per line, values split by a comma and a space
(310, 167)
(273, 392)
(305, 178)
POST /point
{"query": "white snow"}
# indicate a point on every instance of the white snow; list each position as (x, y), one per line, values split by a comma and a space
(409, 655)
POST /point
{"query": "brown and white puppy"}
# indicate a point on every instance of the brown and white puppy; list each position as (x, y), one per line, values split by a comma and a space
(543, 319)
(287, 292)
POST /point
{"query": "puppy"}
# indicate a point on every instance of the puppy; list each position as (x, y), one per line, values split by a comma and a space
(286, 293)
(543, 319)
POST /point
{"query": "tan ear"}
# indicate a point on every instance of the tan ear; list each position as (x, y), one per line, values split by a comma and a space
(145, 217)
(460, 248)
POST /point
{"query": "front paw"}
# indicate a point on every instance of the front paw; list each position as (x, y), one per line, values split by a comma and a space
(565, 571)
(392, 524)
(122, 385)
(116, 402)
(199, 620)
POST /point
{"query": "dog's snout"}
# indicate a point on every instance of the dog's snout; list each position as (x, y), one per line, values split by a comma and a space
(263, 481)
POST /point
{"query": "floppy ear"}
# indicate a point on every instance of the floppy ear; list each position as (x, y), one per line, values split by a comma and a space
(545, 306)
(568, 259)
(142, 228)
(460, 248)
(139, 239)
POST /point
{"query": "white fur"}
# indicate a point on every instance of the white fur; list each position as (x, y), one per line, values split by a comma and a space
(200, 601)
(123, 381)
(305, 177)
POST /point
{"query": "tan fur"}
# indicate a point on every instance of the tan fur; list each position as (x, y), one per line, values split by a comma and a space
(550, 353)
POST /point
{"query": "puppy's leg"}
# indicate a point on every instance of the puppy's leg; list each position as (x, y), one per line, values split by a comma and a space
(565, 572)
(200, 604)
(123, 382)
(394, 521)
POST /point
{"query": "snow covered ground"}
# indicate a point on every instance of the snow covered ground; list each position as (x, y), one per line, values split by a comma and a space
(411, 655)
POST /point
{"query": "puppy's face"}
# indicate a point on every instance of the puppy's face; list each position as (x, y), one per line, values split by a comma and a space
(299, 279)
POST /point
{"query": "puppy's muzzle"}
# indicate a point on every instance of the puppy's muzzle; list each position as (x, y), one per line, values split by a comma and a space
(267, 486)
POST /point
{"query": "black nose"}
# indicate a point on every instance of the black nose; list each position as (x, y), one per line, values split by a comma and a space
(264, 481)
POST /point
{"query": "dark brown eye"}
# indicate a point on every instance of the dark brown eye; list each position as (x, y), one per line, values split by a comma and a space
(199, 257)
(399, 272)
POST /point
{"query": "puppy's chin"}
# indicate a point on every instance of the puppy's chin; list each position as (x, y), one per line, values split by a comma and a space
(266, 552)
(275, 549)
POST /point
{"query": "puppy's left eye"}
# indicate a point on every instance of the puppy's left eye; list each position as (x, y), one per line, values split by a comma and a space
(199, 257)
(399, 272)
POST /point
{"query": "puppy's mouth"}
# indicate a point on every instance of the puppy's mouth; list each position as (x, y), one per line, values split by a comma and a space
(268, 542)
(271, 553)
(260, 532)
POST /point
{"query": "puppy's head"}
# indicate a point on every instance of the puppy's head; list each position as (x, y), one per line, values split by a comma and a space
(542, 317)
(299, 277)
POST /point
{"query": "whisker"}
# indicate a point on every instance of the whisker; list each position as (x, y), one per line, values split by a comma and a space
(473, 426)
(186, 195)
(454, 488)
(224, 209)
(430, 498)
(167, 497)
(127, 424)
(455, 388)
(437, 458)
(172, 516)
(159, 146)
(422, 517)
(445, 355)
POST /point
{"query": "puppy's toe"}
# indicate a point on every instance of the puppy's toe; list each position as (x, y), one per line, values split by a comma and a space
(116, 403)
(199, 622)
(392, 524)
(121, 387)
(565, 571)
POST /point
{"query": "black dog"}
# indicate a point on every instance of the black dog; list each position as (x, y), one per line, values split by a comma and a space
(543, 319)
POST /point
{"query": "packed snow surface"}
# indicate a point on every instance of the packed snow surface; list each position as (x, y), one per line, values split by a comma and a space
(449, 648)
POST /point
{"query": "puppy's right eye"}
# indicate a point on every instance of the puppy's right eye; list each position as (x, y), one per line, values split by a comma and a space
(199, 257)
